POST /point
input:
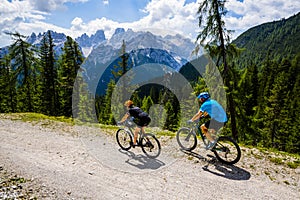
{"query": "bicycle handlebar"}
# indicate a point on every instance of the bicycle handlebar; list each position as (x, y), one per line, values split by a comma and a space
(128, 123)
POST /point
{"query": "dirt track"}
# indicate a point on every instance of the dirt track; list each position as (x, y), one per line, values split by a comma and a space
(76, 162)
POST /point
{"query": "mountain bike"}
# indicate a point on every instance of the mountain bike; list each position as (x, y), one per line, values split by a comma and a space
(147, 141)
(226, 149)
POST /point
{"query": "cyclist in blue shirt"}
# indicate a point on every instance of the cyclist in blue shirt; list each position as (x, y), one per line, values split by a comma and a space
(217, 114)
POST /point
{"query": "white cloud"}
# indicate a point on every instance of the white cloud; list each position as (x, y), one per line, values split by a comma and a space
(172, 15)
(255, 12)
(105, 2)
(13, 15)
(79, 27)
(77, 24)
(167, 16)
(50, 5)
(28, 16)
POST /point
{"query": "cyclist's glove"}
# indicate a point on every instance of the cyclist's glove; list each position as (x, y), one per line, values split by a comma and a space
(189, 121)
(120, 123)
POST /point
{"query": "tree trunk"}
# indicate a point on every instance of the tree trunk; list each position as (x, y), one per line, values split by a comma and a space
(225, 73)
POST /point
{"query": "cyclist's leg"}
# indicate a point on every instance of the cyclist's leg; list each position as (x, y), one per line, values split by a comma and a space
(214, 127)
(136, 132)
(204, 128)
(142, 129)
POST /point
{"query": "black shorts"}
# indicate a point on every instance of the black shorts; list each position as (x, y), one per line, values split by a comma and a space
(213, 124)
(143, 121)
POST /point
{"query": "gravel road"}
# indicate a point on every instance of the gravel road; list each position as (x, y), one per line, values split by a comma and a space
(52, 160)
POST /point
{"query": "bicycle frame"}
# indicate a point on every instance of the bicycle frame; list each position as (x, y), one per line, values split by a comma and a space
(147, 141)
(130, 129)
(225, 149)
(197, 130)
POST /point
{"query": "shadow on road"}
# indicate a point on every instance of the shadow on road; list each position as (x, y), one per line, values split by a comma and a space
(217, 168)
(141, 161)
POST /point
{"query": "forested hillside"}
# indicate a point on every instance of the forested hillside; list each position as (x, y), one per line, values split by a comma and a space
(273, 40)
(32, 80)
(268, 84)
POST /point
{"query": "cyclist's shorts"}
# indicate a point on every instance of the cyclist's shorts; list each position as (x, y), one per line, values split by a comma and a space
(144, 121)
(213, 124)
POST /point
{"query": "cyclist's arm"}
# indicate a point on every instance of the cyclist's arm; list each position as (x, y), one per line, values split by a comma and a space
(197, 115)
(125, 117)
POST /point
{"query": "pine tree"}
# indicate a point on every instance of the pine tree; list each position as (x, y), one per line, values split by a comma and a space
(23, 61)
(136, 99)
(120, 92)
(146, 104)
(83, 108)
(153, 94)
(49, 76)
(289, 122)
(247, 102)
(293, 102)
(105, 115)
(122, 67)
(70, 62)
(276, 116)
(8, 100)
(214, 31)
(171, 122)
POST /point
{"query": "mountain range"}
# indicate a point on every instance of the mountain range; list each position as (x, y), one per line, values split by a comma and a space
(177, 44)
(269, 40)
(142, 48)
(103, 54)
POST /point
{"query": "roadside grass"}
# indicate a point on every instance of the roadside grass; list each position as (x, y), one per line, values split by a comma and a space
(31, 117)
(110, 129)
(275, 156)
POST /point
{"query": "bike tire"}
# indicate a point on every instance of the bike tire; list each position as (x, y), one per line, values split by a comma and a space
(186, 139)
(227, 150)
(124, 139)
(150, 145)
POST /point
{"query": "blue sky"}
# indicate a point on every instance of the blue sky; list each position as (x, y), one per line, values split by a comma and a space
(116, 10)
(75, 17)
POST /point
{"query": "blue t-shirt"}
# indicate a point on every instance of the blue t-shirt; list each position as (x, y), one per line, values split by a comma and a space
(214, 109)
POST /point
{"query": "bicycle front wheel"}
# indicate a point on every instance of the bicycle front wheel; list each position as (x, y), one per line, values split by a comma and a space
(150, 145)
(186, 139)
(227, 150)
(124, 139)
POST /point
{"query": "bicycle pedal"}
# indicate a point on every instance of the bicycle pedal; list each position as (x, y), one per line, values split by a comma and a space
(132, 145)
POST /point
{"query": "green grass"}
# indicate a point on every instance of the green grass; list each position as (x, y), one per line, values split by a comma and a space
(257, 156)
(293, 164)
(165, 133)
(30, 117)
(276, 160)
(47, 120)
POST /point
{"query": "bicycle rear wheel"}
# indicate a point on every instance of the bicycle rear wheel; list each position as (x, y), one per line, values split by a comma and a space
(186, 139)
(124, 139)
(227, 150)
(150, 145)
